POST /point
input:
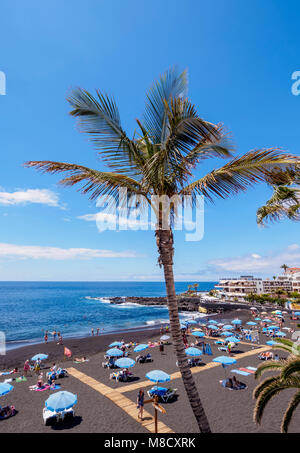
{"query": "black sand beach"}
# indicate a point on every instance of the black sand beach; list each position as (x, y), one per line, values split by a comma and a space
(228, 411)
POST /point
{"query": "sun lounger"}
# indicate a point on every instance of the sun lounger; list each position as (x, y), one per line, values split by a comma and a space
(243, 373)
(51, 417)
(169, 395)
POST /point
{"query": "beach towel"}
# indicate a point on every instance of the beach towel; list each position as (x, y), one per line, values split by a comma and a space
(39, 389)
(243, 373)
(247, 370)
(21, 379)
(56, 387)
(251, 368)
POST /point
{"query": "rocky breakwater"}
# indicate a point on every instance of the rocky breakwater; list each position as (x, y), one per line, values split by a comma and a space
(184, 303)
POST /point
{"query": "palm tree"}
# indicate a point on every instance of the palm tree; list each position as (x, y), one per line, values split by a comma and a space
(285, 201)
(172, 140)
(284, 267)
(289, 377)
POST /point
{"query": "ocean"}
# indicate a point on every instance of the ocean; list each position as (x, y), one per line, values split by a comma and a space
(27, 309)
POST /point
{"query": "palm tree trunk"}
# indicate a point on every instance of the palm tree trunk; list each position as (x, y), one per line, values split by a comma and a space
(164, 239)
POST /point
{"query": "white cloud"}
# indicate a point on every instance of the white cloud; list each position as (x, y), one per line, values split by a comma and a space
(40, 196)
(56, 253)
(114, 220)
(253, 263)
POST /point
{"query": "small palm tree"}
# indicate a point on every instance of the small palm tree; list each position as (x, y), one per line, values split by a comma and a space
(284, 267)
(172, 141)
(289, 377)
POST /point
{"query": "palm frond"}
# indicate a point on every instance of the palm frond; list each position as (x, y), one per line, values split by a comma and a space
(292, 366)
(289, 412)
(171, 84)
(268, 366)
(94, 182)
(239, 174)
(266, 395)
(261, 387)
(99, 118)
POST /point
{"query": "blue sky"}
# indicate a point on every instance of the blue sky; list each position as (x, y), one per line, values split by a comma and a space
(240, 56)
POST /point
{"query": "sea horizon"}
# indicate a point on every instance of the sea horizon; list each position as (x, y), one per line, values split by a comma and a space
(28, 309)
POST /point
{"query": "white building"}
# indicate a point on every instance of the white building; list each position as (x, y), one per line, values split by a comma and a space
(237, 288)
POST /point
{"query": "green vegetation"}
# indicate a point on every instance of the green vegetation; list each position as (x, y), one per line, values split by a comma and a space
(288, 378)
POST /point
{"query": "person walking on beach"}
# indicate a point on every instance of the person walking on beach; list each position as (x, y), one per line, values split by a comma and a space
(54, 335)
(46, 337)
(26, 367)
(92, 332)
(98, 330)
(140, 403)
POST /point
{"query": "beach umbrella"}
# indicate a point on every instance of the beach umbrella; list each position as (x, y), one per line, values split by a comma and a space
(253, 308)
(220, 324)
(198, 334)
(115, 343)
(226, 334)
(5, 388)
(193, 352)
(297, 313)
(280, 334)
(236, 321)
(212, 327)
(39, 356)
(61, 401)
(213, 322)
(266, 320)
(271, 343)
(141, 347)
(233, 339)
(257, 319)
(125, 362)
(251, 323)
(165, 337)
(190, 322)
(227, 327)
(182, 326)
(158, 376)
(114, 352)
(273, 327)
(278, 311)
(224, 360)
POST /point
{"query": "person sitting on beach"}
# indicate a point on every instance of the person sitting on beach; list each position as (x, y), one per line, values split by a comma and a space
(229, 383)
(40, 382)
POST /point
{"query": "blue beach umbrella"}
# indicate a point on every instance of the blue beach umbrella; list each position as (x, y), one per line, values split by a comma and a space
(125, 362)
(226, 334)
(224, 360)
(280, 334)
(114, 352)
(272, 327)
(190, 322)
(39, 356)
(227, 327)
(141, 347)
(257, 319)
(236, 322)
(266, 320)
(5, 388)
(233, 339)
(297, 313)
(212, 327)
(271, 343)
(213, 322)
(251, 323)
(61, 401)
(158, 376)
(198, 334)
(115, 343)
(193, 352)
